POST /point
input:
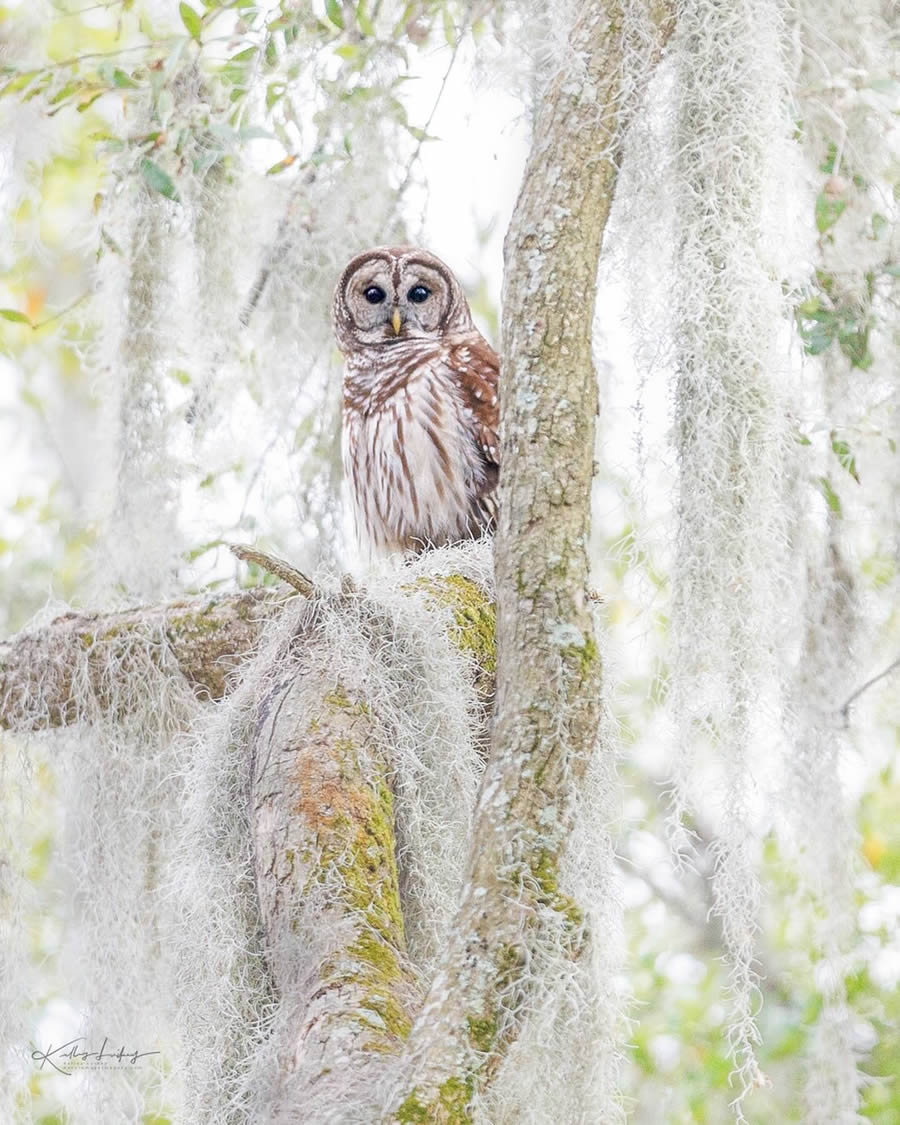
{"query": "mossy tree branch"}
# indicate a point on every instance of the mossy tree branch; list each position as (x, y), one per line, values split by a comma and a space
(331, 896)
(321, 806)
(202, 639)
(323, 831)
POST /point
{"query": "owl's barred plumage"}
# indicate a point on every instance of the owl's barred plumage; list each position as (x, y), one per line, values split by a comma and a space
(420, 445)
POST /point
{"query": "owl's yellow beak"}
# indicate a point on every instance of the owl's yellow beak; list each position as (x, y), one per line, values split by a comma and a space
(397, 321)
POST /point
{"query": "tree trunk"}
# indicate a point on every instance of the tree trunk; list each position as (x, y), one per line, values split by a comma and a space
(548, 679)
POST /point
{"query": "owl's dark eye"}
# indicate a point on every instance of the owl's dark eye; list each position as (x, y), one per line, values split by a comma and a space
(418, 294)
(374, 294)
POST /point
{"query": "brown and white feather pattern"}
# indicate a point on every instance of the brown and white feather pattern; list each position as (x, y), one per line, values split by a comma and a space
(420, 442)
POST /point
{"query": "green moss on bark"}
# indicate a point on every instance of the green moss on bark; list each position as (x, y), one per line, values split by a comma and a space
(474, 616)
(545, 869)
(361, 852)
(450, 1107)
(482, 1033)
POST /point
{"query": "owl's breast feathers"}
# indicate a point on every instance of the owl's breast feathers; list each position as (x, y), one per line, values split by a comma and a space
(420, 441)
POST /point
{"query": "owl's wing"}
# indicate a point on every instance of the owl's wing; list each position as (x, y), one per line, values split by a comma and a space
(476, 367)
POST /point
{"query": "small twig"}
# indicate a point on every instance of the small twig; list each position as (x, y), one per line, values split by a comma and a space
(274, 254)
(437, 101)
(275, 251)
(61, 313)
(845, 710)
(276, 566)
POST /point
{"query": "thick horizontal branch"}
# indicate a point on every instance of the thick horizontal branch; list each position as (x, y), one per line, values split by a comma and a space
(204, 639)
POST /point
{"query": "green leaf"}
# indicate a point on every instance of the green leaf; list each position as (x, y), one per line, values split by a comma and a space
(16, 317)
(38, 88)
(801, 439)
(281, 165)
(234, 71)
(810, 308)
(845, 456)
(347, 51)
(449, 29)
(89, 101)
(854, 343)
(334, 13)
(19, 82)
(828, 211)
(195, 552)
(831, 497)
(362, 18)
(879, 224)
(827, 165)
(65, 92)
(123, 81)
(274, 93)
(191, 20)
(158, 180)
(816, 340)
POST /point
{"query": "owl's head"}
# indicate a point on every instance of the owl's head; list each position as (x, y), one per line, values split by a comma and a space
(393, 293)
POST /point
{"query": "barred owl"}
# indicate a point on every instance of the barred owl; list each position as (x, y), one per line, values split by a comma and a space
(420, 441)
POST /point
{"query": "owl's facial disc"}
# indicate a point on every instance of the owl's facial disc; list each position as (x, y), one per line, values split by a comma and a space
(395, 300)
